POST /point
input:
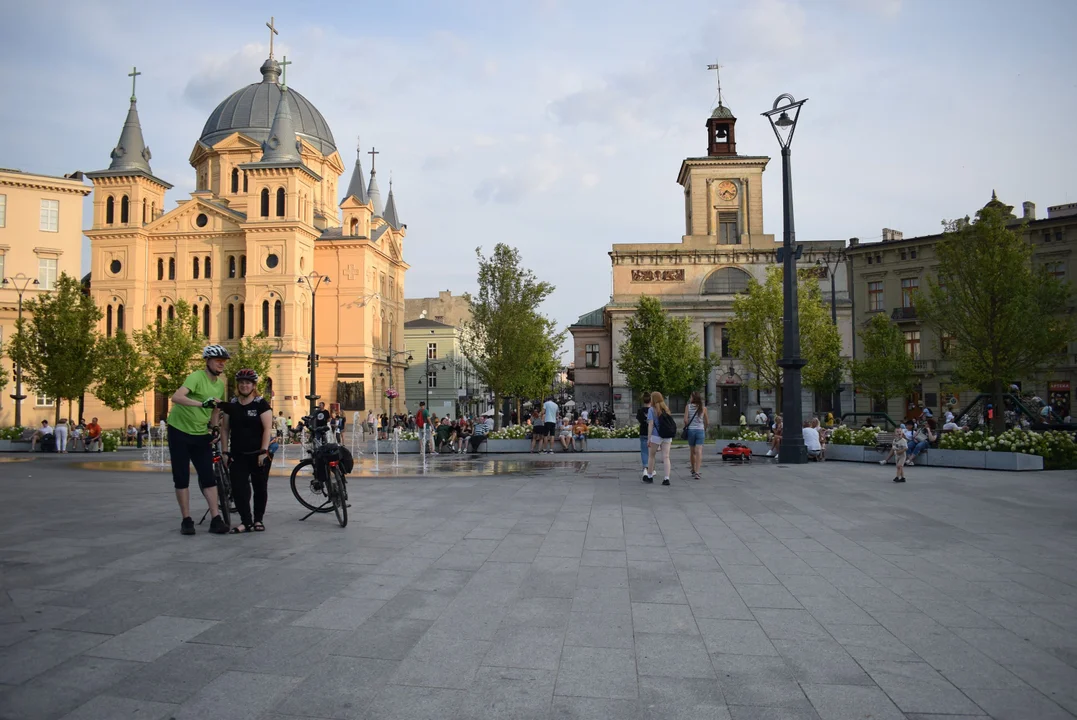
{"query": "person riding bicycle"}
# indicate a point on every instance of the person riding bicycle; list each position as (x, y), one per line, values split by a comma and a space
(246, 431)
(193, 411)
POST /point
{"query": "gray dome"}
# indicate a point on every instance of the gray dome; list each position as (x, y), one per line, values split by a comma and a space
(722, 112)
(250, 111)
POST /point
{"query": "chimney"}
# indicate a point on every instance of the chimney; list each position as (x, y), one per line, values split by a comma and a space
(892, 235)
(853, 242)
(1029, 210)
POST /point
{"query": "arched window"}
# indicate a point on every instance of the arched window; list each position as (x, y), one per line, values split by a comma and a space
(231, 266)
(171, 312)
(244, 181)
(205, 320)
(355, 226)
(206, 269)
(108, 321)
(231, 321)
(243, 266)
(280, 202)
(110, 210)
(153, 211)
(158, 315)
(160, 269)
(242, 319)
(171, 268)
(194, 269)
(726, 281)
(235, 180)
(143, 211)
(194, 311)
(125, 210)
(265, 317)
(119, 317)
(265, 202)
(278, 318)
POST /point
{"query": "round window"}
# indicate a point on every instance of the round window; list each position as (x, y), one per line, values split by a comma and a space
(272, 260)
(201, 220)
(115, 266)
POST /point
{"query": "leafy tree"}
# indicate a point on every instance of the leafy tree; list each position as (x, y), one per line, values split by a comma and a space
(755, 334)
(506, 335)
(884, 369)
(255, 353)
(174, 347)
(660, 352)
(123, 373)
(56, 345)
(1007, 319)
(3, 375)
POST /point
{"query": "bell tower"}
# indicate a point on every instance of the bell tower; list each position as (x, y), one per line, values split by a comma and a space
(721, 140)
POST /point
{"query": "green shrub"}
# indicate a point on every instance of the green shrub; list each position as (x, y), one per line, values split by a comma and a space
(110, 440)
(11, 433)
(751, 436)
(844, 435)
(1058, 449)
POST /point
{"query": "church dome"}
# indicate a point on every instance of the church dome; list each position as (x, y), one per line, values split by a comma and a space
(250, 111)
(722, 112)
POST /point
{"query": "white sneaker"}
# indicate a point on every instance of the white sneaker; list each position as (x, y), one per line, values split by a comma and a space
(882, 462)
(770, 453)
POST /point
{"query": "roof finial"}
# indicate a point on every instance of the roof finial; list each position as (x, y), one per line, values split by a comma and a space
(284, 72)
(718, 73)
(272, 32)
(372, 152)
(993, 195)
(134, 76)
(358, 144)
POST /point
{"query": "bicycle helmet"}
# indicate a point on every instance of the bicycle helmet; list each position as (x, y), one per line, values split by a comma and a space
(247, 374)
(215, 351)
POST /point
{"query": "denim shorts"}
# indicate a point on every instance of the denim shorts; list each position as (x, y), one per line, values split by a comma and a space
(696, 437)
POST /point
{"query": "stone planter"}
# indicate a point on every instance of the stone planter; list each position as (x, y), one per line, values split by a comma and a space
(12, 446)
(606, 445)
(851, 453)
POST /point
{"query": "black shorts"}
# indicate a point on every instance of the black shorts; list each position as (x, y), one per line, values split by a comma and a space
(551, 428)
(538, 430)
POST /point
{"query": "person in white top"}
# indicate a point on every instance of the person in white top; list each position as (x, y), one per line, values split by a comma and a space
(549, 409)
(760, 418)
(811, 441)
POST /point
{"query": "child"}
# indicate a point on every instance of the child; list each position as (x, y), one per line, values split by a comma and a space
(901, 444)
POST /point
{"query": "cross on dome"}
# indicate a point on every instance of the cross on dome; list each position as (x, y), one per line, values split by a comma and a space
(272, 32)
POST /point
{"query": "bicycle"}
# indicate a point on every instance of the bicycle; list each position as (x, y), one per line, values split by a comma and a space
(326, 488)
(224, 481)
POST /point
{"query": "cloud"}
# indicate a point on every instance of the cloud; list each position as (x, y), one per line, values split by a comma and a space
(217, 76)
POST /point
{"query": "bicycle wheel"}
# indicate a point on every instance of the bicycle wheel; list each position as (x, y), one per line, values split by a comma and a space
(224, 492)
(337, 495)
(310, 494)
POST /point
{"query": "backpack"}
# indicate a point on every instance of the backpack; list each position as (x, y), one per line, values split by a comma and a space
(667, 426)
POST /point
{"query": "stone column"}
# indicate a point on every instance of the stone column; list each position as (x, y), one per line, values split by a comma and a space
(708, 351)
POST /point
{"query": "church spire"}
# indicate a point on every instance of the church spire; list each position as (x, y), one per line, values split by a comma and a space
(390, 208)
(372, 191)
(282, 146)
(131, 152)
(356, 188)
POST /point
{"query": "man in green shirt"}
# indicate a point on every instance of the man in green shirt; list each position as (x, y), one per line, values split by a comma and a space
(194, 409)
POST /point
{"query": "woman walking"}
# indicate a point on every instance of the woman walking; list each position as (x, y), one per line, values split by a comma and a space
(695, 422)
(656, 442)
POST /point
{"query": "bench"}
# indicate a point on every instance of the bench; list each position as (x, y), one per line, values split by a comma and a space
(883, 441)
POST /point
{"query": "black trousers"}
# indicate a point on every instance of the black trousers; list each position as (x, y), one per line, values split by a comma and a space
(185, 450)
(246, 475)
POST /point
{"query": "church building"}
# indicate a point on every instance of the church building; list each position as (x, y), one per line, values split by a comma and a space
(245, 250)
(723, 246)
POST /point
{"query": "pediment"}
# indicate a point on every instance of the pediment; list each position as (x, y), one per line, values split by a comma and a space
(184, 219)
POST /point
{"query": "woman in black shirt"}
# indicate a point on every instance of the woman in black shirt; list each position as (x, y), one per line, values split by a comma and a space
(246, 430)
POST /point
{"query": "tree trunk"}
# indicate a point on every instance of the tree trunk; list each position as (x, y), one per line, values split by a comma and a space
(56, 419)
(497, 412)
(998, 423)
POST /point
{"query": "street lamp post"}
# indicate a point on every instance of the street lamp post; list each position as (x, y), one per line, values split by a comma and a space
(426, 379)
(313, 280)
(20, 282)
(389, 357)
(792, 449)
(831, 260)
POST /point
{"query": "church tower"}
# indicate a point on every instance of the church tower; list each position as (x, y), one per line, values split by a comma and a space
(127, 197)
(356, 205)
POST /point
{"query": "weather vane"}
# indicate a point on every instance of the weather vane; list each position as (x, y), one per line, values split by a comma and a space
(718, 75)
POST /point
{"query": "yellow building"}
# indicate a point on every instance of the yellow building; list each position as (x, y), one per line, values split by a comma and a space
(40, 237)
(264, 215)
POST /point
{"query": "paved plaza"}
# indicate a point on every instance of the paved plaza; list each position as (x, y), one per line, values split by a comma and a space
(555, 588)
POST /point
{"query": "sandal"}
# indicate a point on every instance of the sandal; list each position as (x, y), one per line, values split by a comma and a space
(238, 529)
(258, 526)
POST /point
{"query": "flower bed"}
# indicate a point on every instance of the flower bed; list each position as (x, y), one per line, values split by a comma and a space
(1058, 449)
(844, 435)
(746, 436)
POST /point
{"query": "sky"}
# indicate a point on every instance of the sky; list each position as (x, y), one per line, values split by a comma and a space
(559, 127)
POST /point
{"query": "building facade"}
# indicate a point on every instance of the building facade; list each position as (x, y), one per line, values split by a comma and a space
(40, 238)
(439, 373)
(592, 359)
(445, 308)
(246, 248)
(885, 277)
(724, 245)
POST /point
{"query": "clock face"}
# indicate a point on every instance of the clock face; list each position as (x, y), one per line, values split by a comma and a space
(727, 190)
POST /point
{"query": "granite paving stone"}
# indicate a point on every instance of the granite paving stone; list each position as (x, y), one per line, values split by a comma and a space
(597, 672)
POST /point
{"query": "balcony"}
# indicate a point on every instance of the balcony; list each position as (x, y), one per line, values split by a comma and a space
(924, 366)
(903, 314)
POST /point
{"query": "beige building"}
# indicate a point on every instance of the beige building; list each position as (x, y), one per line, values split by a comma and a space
(885, 277)
(723, 246)
(40, 238)
(445, 308)
(264, 216)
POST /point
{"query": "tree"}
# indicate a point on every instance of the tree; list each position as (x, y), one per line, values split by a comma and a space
(506, 335)
(755, 334)
(1004, 318)
(56, 345)
(123, 373)
(660, 352)
(884, 369)
(255, 353)
(174, 347)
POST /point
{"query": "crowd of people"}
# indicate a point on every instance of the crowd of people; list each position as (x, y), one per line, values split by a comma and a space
(65, 437)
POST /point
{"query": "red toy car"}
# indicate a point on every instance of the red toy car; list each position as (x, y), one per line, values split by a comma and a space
(737, 452)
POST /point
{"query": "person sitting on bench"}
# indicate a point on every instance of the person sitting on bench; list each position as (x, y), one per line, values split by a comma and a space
(482, 429)
(39, 435)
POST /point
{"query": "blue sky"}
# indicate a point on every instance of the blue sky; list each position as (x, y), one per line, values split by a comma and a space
(559, 127)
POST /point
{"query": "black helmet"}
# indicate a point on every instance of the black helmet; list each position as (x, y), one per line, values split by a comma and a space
(247, 374)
